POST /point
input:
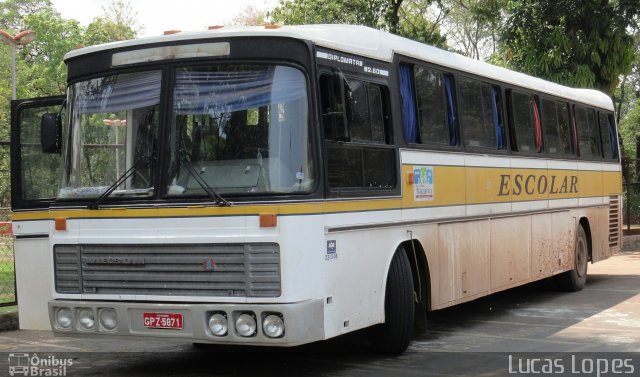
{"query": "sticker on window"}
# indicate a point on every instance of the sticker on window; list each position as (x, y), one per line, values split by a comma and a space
(423, 183)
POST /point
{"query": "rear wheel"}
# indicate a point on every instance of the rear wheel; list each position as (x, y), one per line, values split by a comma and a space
(394, 335)
(576, 278)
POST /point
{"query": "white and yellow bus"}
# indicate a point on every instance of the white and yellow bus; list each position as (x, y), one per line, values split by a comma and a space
(283, 185)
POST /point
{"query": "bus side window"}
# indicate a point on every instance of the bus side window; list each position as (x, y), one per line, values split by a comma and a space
(605, 135)
(365, 112)
(587, 132)
(356, 130)
(353, 111)
(525, 125)
(556, 127)
(429, 112)
(479, 117)
(608, 136)
(333, 108)
(430, 95)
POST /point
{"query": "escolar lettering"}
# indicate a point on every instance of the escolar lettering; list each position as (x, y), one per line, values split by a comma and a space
(537, 184)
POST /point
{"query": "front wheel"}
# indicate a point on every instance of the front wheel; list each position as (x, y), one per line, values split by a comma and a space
(576, 278)
(394, 335)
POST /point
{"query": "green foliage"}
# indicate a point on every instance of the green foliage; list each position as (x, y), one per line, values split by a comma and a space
(630, 130)
(414, 23)
(45, 72)
(358, 12)
(407, 18)
(41, 70)
(12, 12)
(472, 25)
(102, 30)
(583, 43)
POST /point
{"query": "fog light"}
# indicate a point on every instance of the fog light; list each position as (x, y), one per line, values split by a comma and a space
(63, 318)
(246, 325)
(108, 318)
(273, 326)
(86, 318)
(218, 324)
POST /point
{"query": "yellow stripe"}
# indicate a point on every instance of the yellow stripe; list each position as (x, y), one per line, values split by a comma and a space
(457, 185)
(202, 211)
(453, 185)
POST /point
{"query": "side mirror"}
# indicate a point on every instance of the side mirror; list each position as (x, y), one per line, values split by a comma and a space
(51, 133)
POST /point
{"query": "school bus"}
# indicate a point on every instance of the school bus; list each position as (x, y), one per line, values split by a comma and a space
(283, 185)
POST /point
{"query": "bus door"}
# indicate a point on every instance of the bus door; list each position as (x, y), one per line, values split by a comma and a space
(35, 175)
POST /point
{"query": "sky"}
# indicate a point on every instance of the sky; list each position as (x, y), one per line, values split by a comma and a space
(156, 16)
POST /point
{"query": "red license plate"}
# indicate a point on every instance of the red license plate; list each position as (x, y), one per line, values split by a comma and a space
(163, 320)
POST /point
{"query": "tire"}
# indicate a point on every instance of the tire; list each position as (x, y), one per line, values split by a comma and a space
(575, 279)
(393, 336)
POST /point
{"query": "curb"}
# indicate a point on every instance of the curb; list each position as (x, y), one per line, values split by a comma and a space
(9, 321)
(630, 243)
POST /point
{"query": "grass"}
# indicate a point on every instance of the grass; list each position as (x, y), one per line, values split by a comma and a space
(7, 285)
(8, 309)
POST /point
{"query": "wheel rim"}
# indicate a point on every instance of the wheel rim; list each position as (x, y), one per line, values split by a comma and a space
(581, 258)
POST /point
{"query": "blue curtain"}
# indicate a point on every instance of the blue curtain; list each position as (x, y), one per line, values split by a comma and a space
(409, 120)
(496, 119)
(205, 92)
(453, 136)
(117, 93)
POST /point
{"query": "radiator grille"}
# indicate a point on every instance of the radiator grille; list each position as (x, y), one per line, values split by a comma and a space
(614, 221)
(233, 270)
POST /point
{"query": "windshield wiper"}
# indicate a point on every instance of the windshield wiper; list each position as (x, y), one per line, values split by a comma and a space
(96, 203)
(219, 200)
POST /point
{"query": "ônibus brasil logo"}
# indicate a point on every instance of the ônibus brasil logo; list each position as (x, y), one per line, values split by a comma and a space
(24, 364)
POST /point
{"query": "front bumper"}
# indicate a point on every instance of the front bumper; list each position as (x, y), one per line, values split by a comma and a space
(304, 321)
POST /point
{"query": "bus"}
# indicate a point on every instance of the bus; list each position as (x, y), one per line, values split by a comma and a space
(276, 186)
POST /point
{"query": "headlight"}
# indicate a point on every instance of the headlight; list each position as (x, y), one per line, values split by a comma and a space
(86, 319)
(218, 324)
(108, 318)
(63, 318)
(273, 326)
(246, 324)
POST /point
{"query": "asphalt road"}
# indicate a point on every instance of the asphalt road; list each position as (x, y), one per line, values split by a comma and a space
(517, 332)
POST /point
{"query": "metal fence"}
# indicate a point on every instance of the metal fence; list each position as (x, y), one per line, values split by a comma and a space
(631, 192)
(7, 273)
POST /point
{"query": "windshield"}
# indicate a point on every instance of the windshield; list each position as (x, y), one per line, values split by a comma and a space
(113, 128)
(243, 129)
(234, 129)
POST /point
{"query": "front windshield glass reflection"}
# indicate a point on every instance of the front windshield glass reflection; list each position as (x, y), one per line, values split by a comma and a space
(242, 129)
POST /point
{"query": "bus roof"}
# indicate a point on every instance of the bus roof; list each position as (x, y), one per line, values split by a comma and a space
(375, 44)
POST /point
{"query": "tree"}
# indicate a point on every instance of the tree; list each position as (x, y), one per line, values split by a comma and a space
(120, 12)
(45, 73)
(250, 16)
(358, 12)
(117, 23)
(102, 30)
(416, 22)
(472, 25)
(13, 12)
(584, 43)
(407, 18)
(40, 66)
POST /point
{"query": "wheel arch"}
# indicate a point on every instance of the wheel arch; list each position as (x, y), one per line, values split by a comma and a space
(584, 223)
(420, 271)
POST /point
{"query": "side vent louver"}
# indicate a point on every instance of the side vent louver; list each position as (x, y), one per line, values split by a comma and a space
(614, 222)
